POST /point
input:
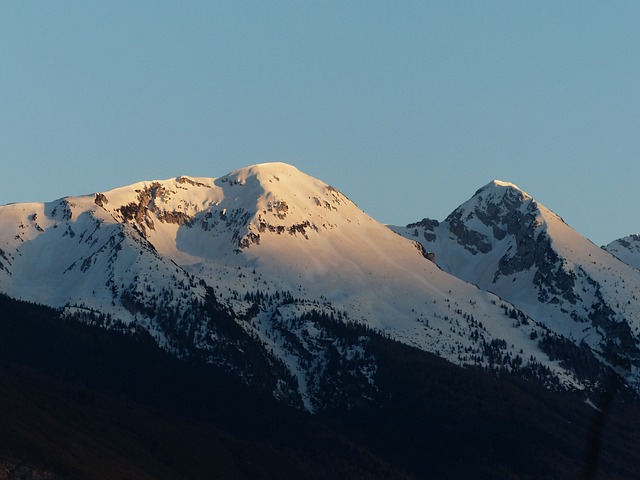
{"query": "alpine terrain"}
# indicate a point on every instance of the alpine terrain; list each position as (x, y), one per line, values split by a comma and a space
(505, 242)
(283, 257)
(227, 310)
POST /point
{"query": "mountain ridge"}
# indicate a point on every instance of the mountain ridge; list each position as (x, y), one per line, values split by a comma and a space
(270, 260)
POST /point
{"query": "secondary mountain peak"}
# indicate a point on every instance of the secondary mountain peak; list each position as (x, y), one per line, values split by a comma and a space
(495, 211)
(505, 242)
(498, 184)
(495, 198)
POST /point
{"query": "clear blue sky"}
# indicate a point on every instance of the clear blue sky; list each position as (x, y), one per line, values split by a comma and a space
(407, 107)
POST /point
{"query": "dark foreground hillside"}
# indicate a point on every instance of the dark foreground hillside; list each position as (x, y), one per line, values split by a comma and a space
(78, 402)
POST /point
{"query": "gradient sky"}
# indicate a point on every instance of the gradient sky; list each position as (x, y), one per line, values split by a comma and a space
(407, 107)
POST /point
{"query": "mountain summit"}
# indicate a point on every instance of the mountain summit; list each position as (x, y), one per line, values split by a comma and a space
(504, 241)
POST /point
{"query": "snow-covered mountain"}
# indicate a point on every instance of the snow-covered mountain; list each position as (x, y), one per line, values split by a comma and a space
(505, 242)
(626, 249)
(260, 269)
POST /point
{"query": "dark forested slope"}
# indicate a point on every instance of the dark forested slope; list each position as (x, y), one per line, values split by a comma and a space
(78, 401)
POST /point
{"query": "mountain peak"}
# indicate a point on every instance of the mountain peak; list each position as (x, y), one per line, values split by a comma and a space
(500, 187)
(501, 183)
(263, 170)
(272, 166)
(494, 203)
